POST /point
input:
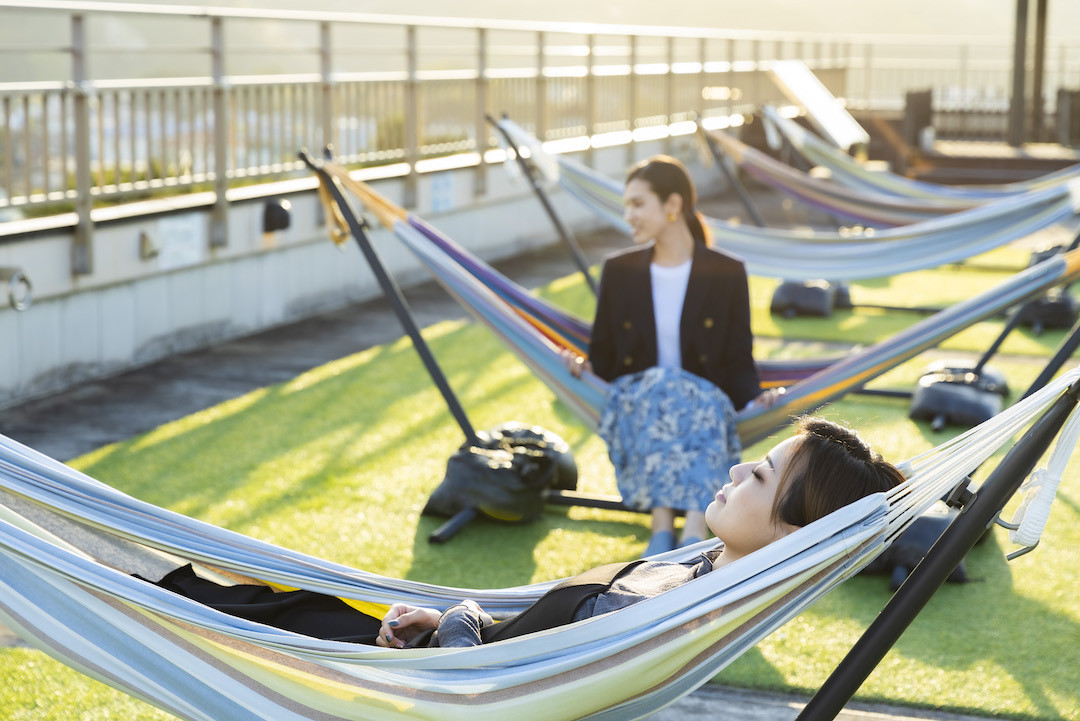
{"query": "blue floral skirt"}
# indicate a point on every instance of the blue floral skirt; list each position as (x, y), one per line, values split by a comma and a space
(671, 436)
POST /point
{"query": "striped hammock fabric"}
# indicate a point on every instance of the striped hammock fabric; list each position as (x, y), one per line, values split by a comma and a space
(68, 544)
(867, 206)
(845, 170)
(539, 345)
(803, 254)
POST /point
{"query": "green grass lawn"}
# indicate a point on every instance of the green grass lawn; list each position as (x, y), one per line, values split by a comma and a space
(339, 461)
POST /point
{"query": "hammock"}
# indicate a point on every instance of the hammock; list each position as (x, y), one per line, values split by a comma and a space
(847, 171)
(868, 206)
(803, 254)
(68, 544)
(523, 325)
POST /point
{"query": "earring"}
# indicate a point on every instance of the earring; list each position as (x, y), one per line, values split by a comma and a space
(671, 217)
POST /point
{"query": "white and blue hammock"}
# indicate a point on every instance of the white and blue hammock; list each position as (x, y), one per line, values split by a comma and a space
(849, 254)
(69, 543)
(846, 170)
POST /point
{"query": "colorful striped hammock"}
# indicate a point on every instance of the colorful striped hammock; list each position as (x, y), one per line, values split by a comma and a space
(867, 206)
(803, 254)
(845, 170)
(537, 332)
(68, 544)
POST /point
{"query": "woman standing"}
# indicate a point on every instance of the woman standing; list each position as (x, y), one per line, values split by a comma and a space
(672, 332)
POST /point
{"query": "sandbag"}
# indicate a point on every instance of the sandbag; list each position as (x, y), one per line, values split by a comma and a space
(911, 547)
(1057, 309)
(950, 393)
(505, 474)
(812, 298)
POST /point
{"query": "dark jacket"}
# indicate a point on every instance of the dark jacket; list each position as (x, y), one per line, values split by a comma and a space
(714, 334)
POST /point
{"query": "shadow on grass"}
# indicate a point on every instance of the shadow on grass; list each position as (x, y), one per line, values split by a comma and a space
(339, 461)
(972, 629)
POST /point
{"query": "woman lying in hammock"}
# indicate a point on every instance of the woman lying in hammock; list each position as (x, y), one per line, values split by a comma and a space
(820, 469)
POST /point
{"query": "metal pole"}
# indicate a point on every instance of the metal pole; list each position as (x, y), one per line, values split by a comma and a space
(397, 300)
(1038, 105)
(1063, 353)
(732, 179)
(947, 552)
(1016, 103)
(567, 237)
(1010, 326)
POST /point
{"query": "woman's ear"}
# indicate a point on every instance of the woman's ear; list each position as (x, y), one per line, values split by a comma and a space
(673, 205)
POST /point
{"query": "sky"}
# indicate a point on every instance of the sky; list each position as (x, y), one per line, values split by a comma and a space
(986, 18)
(988, 23)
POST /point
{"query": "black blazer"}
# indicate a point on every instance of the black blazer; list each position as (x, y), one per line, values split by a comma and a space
(714, 333)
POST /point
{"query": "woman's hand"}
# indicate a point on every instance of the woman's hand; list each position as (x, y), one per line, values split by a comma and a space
(766, 399)
(402, 623)
(575, 363)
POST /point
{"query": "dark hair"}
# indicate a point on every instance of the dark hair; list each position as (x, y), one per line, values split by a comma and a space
(830, 467)
(667, 176)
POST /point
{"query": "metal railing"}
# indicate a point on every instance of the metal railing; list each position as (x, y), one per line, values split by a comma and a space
(230, 95)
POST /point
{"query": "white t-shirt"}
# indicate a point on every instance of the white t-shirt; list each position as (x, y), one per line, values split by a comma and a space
(668, 292)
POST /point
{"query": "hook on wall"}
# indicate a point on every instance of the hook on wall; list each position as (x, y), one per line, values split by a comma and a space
(19, 289)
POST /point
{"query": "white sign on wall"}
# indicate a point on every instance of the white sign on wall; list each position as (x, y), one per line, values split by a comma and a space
(181, 240)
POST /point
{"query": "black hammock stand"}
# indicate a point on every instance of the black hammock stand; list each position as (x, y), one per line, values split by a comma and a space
(563, 495)
(529, 171)
(979, 509)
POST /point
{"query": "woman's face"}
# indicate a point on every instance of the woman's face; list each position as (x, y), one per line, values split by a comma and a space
(642, 209)
(741, 514)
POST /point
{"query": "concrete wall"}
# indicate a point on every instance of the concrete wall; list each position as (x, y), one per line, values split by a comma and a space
(134, 309)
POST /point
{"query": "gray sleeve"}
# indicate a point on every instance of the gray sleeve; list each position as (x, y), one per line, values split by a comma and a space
(645, 581)
(460, 626)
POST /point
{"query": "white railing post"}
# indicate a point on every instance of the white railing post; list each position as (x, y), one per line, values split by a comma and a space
(670, 92)
(541, 88)
(703, 77)
(326, 73)
(219, 216)
(965, 106)
(632, 100)
(411, 121)
(82, 256)
(755, 98)
(480, 175)
(590, 95)
(867, 72)
(731, 77)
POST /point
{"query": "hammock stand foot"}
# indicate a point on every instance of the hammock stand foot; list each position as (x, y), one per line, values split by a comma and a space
(448, 530)
(592, 500)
